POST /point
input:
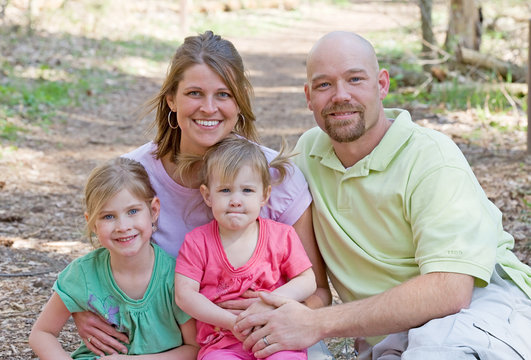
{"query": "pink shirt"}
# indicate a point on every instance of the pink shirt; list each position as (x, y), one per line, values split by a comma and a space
(278, 257)
(182, 209)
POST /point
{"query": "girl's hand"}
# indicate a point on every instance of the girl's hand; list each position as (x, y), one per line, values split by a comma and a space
(238, 335)
(100, 337)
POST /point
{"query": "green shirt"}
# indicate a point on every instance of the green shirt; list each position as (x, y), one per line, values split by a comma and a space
(151, 323)
(412, 206)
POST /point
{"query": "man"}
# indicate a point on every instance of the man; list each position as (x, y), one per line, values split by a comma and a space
(412, 244)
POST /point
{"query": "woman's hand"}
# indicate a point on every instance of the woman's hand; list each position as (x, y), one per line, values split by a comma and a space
(258, 307)
(100, 337)
(237, 306)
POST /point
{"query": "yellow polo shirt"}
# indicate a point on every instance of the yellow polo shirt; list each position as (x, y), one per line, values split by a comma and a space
(412, 206)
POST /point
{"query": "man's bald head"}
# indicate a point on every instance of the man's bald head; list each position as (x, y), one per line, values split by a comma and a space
(341, 42)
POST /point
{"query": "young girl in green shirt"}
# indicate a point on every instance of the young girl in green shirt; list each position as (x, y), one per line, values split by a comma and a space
(128, 281)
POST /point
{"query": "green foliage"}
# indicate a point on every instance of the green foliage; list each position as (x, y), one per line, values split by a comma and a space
(35, 93)
(35, 101)
(452, 96)
(8, 130)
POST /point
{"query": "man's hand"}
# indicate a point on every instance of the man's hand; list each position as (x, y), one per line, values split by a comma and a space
(100, 337)
(237, 306)
(289, 327)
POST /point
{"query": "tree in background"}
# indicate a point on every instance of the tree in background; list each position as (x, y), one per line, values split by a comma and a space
(427, 28)
(464, 25)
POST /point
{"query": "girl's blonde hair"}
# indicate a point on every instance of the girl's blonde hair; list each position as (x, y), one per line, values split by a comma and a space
(228, 156)
(220, 56)
(107, 180)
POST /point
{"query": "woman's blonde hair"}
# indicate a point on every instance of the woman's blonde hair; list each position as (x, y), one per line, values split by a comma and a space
(221, 56)
(107, 180)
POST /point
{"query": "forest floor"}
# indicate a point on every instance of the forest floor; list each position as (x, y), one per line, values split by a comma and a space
(42, 171)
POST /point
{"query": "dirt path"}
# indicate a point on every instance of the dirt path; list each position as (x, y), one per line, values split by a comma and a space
(41, 181)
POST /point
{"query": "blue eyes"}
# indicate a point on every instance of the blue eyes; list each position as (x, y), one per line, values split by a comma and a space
(111, 217)
(324, 85)
(246, 190)
(222, 94)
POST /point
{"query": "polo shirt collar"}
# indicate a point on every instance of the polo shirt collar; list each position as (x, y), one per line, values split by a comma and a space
(378, 160)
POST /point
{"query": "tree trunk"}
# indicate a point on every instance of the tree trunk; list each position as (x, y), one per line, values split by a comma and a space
(3, 5)
(427, 31)
(184, 9)
(464, 25)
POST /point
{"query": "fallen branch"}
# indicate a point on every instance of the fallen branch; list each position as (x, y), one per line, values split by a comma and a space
(504, 68)
(35, 273)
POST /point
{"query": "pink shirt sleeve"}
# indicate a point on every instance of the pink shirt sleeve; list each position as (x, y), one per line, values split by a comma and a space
(191, 259)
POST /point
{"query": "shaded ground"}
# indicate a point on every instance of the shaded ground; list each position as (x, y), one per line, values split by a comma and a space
(41, 180)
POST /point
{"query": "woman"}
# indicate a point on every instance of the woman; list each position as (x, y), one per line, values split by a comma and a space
(204, 98)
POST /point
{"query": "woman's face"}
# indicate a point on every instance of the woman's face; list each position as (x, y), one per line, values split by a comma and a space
(206, 109)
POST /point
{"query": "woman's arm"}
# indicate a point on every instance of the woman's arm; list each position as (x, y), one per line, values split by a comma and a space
(105, 339)
(198, 306)
(187, 351)
(304, 228)
(44, 333)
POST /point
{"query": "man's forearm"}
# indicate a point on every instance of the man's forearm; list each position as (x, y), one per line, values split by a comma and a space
(403, 307)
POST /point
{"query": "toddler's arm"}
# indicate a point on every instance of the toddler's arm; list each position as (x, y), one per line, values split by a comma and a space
(44, 333)
(198, 306)
(299, 287)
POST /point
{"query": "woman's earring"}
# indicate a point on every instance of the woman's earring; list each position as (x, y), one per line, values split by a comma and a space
(169, 121)
(154, 227)
(240, 115)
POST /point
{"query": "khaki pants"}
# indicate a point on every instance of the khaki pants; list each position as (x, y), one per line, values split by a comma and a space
(495, 326)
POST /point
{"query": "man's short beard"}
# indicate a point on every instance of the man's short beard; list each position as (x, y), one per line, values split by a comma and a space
(346, 131)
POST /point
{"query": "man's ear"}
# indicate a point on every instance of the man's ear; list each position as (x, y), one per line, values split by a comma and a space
(384, 83)
(307, 93)
(205, 192)
(155, 209)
